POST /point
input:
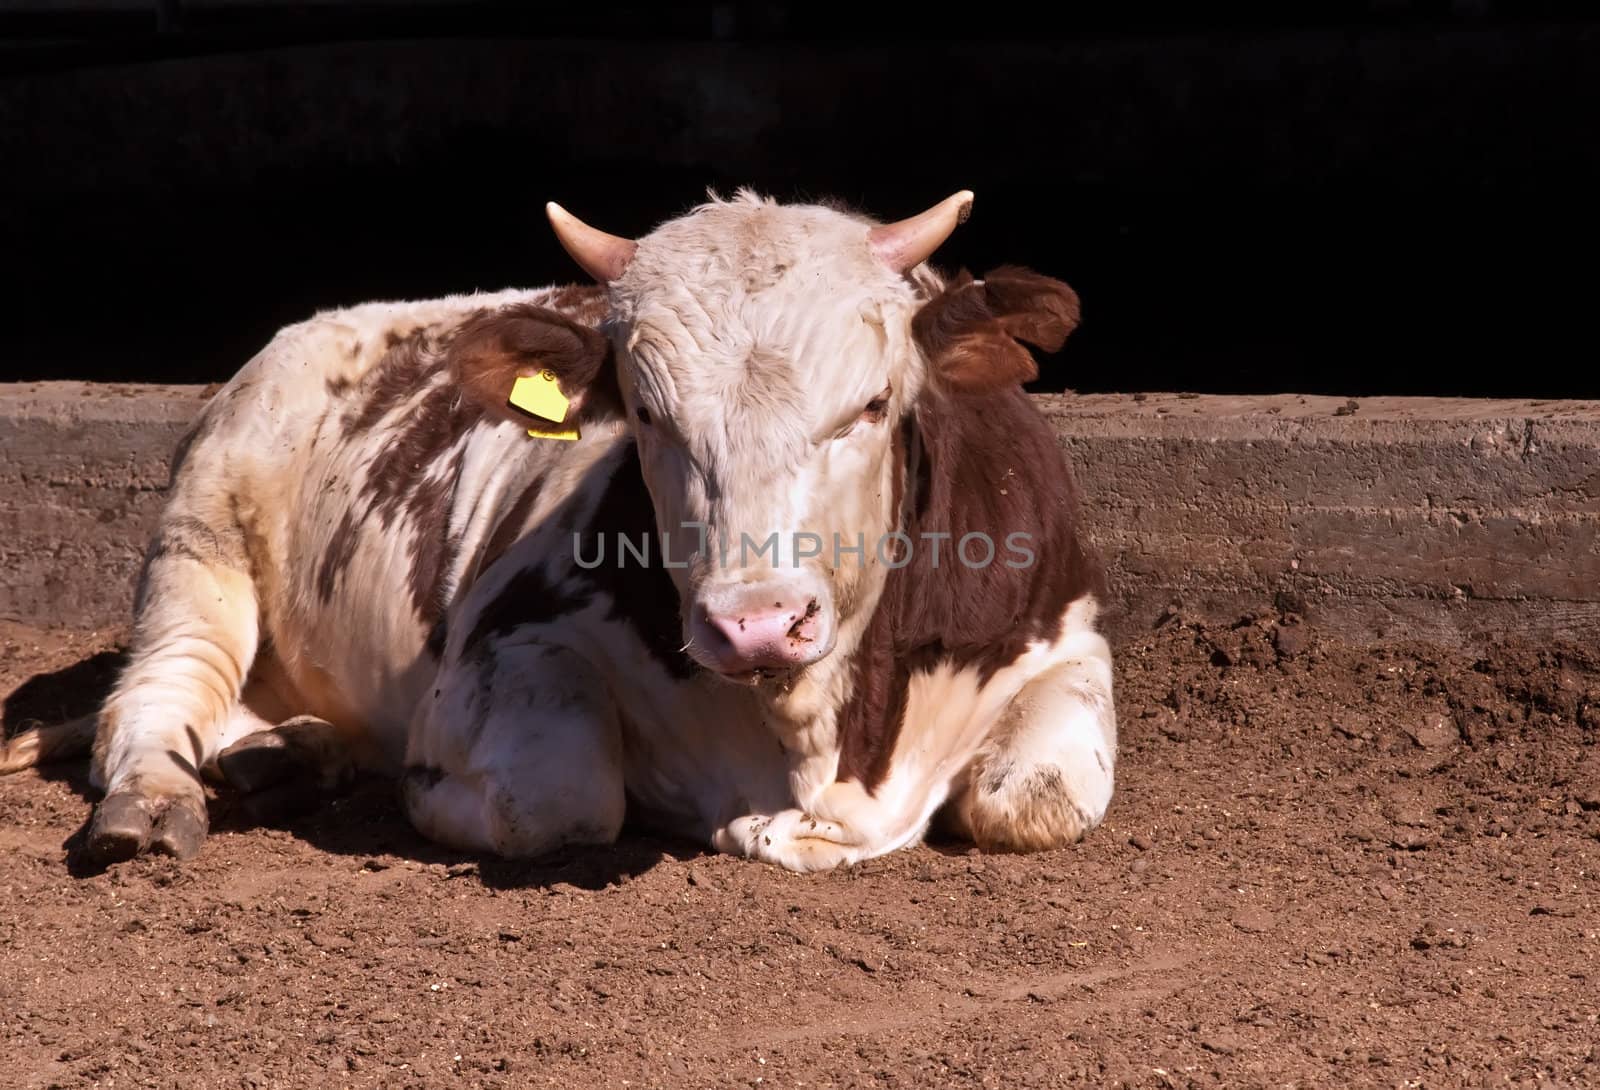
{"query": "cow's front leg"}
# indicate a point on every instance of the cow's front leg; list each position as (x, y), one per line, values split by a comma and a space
(843, 824)
(793, 839)
(1045, 777)
(519, 753)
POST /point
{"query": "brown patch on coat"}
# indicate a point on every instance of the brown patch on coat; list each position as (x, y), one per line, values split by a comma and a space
(978, 463)
(398, 478)
(408, 478)
(336, 557)
(586, 303)
(407, 364)
(511, 525)
(435, 546)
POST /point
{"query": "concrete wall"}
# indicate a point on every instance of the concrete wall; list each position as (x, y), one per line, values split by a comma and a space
(1450, 519)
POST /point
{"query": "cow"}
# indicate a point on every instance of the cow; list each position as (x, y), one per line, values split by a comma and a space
(756, 539)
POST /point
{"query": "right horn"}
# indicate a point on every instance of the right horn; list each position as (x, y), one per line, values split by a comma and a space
(908, 243)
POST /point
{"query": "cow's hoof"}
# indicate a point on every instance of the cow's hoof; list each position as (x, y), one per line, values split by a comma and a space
(258, 761)
(121, 828)
(127, 823)
(181, 828)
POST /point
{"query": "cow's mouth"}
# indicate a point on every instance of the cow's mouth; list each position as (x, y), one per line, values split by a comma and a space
(779, 677)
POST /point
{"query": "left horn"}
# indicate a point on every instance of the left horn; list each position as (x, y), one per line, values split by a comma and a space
(604, 257)
(910, 242)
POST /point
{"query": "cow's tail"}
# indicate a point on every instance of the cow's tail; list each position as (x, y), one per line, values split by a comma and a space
(43, 743)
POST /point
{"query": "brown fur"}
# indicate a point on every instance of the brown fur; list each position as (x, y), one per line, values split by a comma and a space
(586, 303)
(983, 462)
(510, 527)
(403, 368)
(434, 548)
(434, 424)
(337, 556)
(404, 480)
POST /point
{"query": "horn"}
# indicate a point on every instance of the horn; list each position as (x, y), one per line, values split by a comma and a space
(604, 257)
(908, 243)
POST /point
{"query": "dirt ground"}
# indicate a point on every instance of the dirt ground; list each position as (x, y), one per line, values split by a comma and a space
(1324, 867)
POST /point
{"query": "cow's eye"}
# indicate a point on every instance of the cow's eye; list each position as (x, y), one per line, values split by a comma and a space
(643, 414)
(875, 410)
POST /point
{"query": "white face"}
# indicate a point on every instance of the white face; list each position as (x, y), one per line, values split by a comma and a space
(765, 362)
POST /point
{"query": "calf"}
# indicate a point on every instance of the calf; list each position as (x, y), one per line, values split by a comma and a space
(782, 558)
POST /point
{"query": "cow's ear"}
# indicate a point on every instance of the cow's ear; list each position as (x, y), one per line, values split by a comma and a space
(490, 351)
(974, 333)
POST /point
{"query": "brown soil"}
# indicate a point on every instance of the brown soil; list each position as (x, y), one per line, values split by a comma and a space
(1324, 867)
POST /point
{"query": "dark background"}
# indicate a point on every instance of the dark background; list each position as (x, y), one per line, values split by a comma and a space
(1351, 198)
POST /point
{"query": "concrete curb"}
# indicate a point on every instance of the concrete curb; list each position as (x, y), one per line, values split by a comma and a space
(1452, 520)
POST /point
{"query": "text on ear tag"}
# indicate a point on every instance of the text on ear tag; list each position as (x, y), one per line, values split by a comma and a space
(540, 395)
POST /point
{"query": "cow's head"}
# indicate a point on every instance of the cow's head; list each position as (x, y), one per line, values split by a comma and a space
(767, 358)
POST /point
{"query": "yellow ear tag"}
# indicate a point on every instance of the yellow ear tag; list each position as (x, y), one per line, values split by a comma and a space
(541, 396)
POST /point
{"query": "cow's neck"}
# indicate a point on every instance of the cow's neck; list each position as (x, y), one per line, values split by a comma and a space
(806, 714)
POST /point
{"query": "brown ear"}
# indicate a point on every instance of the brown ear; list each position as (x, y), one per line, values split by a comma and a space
(972, 332)
(489, 352)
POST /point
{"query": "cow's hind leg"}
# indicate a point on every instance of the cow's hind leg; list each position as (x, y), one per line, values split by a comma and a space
(195, 636)
(517, 756)
(1045, 777)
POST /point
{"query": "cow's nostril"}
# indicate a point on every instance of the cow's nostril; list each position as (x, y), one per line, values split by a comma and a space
(797, 631)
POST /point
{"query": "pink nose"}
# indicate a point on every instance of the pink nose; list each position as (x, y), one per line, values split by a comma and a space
(780, 635)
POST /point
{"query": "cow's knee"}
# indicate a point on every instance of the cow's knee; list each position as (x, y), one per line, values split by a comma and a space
(534, 767)
(1049, 777)
(497, 815)
(1037, 808)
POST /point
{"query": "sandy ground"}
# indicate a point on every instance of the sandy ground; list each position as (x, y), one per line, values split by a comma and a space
(1324, 867)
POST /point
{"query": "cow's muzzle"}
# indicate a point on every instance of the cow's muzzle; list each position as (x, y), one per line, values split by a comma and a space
(761, 627)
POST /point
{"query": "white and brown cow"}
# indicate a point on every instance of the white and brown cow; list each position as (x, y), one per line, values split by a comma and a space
(807, 579)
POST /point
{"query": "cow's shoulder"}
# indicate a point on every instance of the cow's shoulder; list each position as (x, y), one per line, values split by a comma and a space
(988, 471)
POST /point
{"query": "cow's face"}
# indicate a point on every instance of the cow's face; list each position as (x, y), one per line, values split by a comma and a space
(767, 359)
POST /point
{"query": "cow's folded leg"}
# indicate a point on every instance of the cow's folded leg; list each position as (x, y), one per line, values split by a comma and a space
(519, 754)
(843, 824)
(793, 839)
(288, 769)
(1046, 776)
(304, 748)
